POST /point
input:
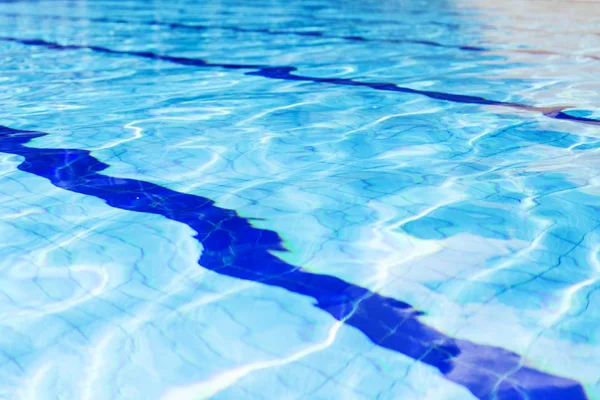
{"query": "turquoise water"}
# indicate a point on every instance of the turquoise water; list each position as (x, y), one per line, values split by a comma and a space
(299, 200)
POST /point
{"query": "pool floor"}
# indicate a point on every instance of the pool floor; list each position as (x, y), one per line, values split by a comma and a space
(300, 200)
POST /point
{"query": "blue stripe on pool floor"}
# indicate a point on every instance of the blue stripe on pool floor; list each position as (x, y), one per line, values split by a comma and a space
(234, 248)
(285, 73)
(315, 34)
(199, 27)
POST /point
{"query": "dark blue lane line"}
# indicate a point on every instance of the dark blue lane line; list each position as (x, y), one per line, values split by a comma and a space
(266, 12)
(285, 73)
(318, 34)
(195, 27)
(234, 248)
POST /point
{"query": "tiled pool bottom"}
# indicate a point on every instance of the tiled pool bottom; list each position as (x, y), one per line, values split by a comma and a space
(313, 200)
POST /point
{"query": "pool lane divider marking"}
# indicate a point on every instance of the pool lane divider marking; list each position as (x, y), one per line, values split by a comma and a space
(316, 34)
(285, 73)
(198, 27)
(233, 247)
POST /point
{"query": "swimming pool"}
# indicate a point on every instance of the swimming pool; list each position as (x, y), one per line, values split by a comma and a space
(299, 200)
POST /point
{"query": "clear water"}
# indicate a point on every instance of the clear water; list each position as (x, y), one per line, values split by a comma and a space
(389, 200)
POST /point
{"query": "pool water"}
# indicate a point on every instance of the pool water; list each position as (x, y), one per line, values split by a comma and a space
(300, 200)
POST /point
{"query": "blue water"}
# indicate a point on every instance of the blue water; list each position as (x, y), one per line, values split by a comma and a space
(299, 200)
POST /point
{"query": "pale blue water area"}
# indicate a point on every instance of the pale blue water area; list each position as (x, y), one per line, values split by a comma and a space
(299, 200)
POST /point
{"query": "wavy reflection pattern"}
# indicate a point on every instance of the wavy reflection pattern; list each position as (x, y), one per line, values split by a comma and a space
(285, 73)
(233, 247)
